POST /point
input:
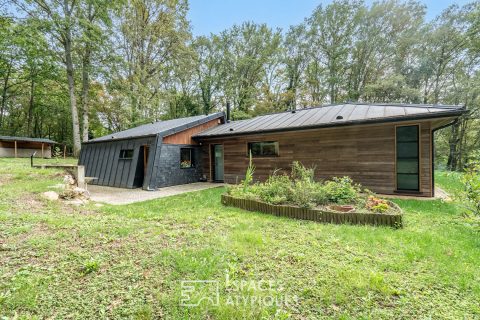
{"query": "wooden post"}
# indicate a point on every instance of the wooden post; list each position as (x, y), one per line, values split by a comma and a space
(64, 151)
(15, 148)
(42, 149)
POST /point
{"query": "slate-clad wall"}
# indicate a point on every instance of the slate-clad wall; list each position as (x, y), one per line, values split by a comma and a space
(169, 172)
(102, 161)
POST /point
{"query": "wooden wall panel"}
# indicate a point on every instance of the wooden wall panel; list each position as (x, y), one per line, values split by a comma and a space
(365, 153)
(185, 137)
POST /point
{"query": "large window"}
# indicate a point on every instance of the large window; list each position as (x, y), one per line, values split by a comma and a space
(186, 158)
(126, 154)
(263, 149)
(407, 158)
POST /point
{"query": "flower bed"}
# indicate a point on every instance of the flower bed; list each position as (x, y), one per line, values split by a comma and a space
(298, 195)
(319, 215)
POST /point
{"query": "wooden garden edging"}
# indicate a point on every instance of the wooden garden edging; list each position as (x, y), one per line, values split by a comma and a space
(392, 220)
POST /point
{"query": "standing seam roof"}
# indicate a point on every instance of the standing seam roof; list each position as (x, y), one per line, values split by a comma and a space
(161, 127)
(352, 113)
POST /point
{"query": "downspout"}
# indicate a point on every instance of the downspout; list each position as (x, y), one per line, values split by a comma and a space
(433, 151)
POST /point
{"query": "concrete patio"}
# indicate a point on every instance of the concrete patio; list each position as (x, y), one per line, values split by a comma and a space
(119, 196)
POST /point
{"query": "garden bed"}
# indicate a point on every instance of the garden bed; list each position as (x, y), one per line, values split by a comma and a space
(320, 215)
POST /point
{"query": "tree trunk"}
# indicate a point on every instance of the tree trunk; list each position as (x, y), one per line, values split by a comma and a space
(85, 89)
(4, 94)
(71, 84)
(453, 154)
(30, 108)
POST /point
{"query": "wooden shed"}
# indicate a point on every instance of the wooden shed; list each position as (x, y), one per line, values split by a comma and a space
(150, 156)
(24, 147)
(388, 148)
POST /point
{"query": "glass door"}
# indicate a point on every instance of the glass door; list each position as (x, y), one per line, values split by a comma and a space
(408, 164)
(218, 162)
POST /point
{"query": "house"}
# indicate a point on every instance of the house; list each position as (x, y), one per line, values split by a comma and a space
(150, 156)
(24, 147)
(388, 148)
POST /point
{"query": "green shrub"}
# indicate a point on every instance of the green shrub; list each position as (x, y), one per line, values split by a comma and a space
(320, 194)
(303, 192)
(301, 189)
(342, 190)
(471, 186)
(276, 190)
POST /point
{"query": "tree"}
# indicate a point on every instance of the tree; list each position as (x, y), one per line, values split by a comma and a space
(332, 31)
(295, 59)
(246, 50)
(209, 71)
(94, 26)
(60, 21)
(153, 33)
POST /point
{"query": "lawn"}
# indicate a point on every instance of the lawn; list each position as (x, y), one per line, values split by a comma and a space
(59, 261)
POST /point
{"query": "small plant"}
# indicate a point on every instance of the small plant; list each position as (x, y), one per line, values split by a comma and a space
(377, 205)
(90, 266)
(249, 174)
(185, 164)
(300, 173)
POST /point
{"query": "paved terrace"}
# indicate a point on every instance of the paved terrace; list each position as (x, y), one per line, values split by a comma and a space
(119, 196)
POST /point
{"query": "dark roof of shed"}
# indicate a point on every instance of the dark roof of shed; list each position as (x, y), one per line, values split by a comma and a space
(161, 127)
(26, 139)
(332, 115)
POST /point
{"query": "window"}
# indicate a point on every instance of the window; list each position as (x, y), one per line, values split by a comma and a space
(186, 158)
(263, 149)
(126, 154)
(407, 158)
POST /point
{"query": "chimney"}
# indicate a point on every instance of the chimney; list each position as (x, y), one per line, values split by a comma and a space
(228, 112)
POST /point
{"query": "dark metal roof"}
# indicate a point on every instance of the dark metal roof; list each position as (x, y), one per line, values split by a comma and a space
(26, 139)
(332, 115)
(163, 128)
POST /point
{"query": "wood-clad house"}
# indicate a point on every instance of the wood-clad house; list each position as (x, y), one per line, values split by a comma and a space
(388, 148)
(24, 147)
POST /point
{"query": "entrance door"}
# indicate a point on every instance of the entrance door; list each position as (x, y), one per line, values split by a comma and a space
(141, 169)
(217, 164)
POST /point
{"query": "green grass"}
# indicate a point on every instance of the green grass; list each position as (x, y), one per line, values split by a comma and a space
(58, 261)
(449, 181)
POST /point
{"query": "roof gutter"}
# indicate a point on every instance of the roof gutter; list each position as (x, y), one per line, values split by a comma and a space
(341, 124)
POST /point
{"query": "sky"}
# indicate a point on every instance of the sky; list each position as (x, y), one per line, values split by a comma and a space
(213, 16)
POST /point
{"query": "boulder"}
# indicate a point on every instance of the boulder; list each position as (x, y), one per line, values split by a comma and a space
(51, 195)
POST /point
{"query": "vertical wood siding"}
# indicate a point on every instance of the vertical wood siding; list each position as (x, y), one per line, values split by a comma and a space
(185, 137)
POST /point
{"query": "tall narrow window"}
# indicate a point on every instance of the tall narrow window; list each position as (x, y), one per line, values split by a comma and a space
(408, 158)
